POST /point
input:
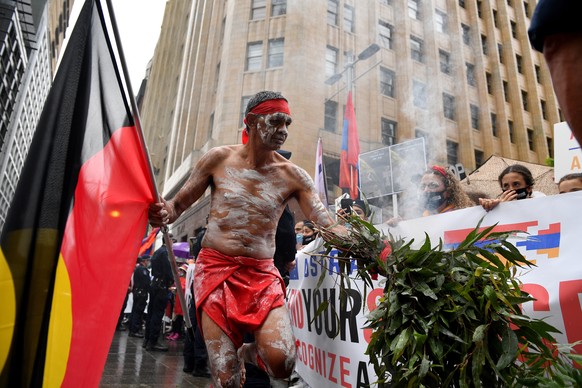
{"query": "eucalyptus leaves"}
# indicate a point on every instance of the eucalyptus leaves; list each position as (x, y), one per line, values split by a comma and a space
(452, 318)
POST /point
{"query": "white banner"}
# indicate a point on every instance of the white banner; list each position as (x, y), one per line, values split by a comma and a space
(554, 228)
(567, 153)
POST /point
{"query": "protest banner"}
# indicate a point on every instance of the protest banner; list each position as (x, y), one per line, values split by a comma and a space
(331, 346)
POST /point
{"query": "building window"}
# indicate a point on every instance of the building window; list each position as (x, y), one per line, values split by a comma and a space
(494, 124)
(254, 56)
(544, 109)
(413, 10)
(538, 71)
(495, 18)
(278, 7)
(332, 12)
(210, 125)
(466, 33)
(474, 116)
(462, 3)
(506, 91)
(509, 3)
(519, 63)
(452, 152)
(330, 120)
(500, 51)
(513, 29)
(441, 21)
(348, 18)
(484, 45)
(524, 100)
(416, 49)
(480, 8)
(243, 106)
(389, 128)
(530, 139)
(449, 106)
(526, 8)
(550, 144)
(488, 79)
(445, 62)
(276, 48)
(418, 133)
(510, 126)
(387, 78)
(470, 74)
(419, 94)
(258, 9)
(331, 55)
(385, 2)
(478, 158)
(385, 33)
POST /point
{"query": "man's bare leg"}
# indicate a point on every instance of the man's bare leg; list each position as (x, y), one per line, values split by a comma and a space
(222, 356)
(275, 344)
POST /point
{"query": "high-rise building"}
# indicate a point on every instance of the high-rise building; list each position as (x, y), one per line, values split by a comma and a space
(461, 74)
(25, 69)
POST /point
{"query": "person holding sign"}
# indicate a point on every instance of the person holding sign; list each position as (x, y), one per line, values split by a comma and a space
(517, 182)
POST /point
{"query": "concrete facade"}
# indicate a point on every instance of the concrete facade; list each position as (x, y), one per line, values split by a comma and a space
(213, 55)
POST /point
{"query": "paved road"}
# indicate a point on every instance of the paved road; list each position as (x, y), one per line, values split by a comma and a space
(129, 365)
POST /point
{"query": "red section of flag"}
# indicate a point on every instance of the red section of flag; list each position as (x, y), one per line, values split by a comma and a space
(102, 238)
(349, 164)
(148, 241)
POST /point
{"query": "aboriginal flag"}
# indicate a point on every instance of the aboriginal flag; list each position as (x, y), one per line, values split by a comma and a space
(75, 225)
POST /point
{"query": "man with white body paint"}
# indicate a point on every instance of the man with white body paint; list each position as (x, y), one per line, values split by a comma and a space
(238, 287)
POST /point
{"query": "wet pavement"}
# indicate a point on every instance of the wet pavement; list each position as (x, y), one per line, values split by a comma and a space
(130, 365)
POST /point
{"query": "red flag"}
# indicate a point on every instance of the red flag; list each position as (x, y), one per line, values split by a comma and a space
(76, 223)
(350, 153)
(147, 242)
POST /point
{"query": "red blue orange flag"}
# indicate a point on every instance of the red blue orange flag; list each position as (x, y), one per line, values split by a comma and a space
(350, 153)
(76, 223)
(148, 242)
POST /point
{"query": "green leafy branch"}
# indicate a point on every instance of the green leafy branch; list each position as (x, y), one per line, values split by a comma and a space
(452, 317)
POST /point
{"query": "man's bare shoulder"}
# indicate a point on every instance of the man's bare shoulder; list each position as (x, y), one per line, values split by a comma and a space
(218, 153)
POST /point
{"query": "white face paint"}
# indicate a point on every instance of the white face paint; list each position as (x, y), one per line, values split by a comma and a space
(273, 129)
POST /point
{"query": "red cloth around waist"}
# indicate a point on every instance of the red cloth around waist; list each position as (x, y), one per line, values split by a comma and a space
(237, 293)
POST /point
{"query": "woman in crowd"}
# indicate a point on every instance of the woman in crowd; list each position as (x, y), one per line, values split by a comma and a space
(441, 192)
(570, 183)
(516, 182)
(309, 233)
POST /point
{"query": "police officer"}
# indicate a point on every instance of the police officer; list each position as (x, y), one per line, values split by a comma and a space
(162, 279)
(140, 289)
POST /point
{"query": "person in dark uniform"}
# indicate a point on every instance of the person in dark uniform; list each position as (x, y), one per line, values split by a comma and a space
(195, 353)
(140, 289)
(162, 279)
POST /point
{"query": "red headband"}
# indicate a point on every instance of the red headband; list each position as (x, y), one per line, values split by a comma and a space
(265, 108)
(271, 106)
(440, 170)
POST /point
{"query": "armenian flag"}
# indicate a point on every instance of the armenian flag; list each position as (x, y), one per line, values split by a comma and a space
(350, 153)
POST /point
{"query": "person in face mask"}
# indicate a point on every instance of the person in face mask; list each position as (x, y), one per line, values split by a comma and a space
(517, 182)
(440, 192)
(309, 233)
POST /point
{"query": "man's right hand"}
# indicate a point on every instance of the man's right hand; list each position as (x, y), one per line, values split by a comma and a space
(158, 214)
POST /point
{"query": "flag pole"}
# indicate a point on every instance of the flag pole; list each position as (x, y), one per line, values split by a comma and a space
(156, 194)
